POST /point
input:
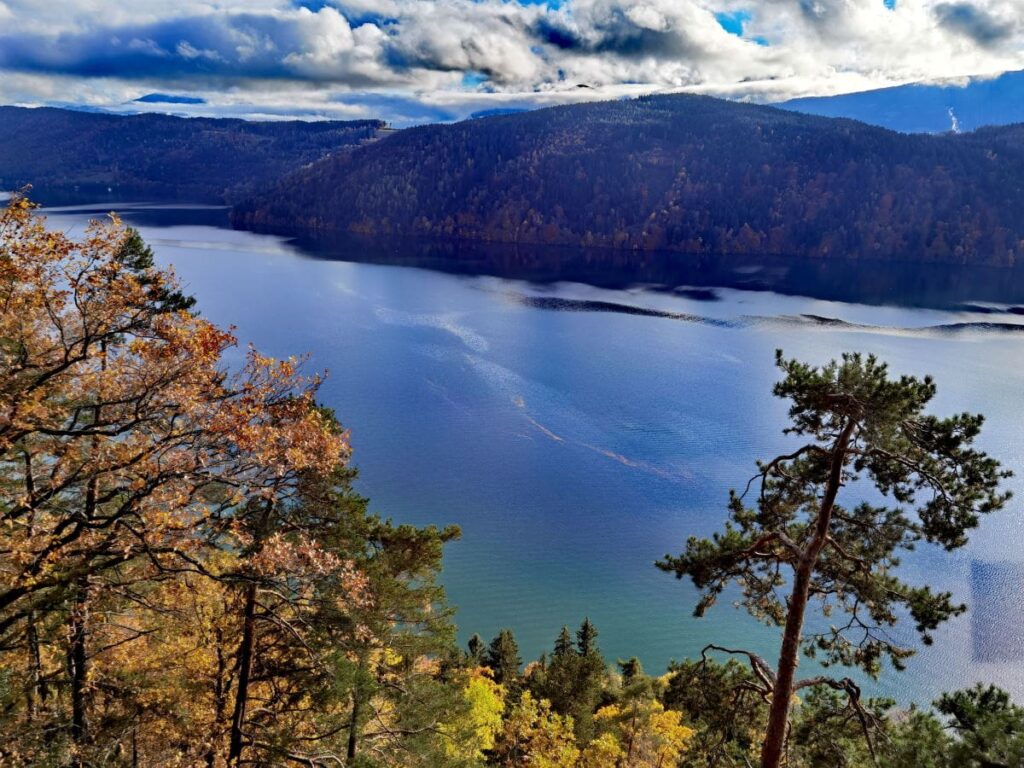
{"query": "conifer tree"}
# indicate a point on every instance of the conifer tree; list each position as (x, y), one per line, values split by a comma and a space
(477, 650)
(563, 644)
(802, 530)
(586, 638)
(503, 659)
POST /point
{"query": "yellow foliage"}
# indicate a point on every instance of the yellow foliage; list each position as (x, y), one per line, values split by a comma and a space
(602, 752)
(535, 737)
(474, 732)
(648, 735)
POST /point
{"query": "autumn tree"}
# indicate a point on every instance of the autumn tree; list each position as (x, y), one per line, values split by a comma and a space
(472, 732)
(806, 527)
(385, 678)
(533, 734)
(129, 456)
(637, 731)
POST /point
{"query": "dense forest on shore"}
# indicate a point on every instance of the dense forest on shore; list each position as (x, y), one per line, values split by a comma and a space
(187, 577)
(62, 151)
(682, 173)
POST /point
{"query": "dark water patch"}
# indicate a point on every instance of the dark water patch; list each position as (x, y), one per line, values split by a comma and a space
(928, 330)
(697, 294)
(905, 284)
(561, 304)
(980, 309)
(981, 327)
(833, 322)
(590, 305)
(686, 292)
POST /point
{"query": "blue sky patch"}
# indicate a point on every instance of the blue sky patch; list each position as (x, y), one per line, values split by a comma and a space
(472, 79)
(733, 21)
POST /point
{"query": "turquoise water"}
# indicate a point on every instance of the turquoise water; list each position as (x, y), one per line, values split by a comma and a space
(577, 433)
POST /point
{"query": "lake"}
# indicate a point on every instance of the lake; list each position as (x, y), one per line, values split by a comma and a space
(581, 415)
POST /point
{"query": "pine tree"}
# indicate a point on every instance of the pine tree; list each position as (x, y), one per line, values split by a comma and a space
(477, 650)
(574, 678)
(563, 644)
(586, 638)
(858, 423)
(503, 659)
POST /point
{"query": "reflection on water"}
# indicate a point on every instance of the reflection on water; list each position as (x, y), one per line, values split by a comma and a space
(835, 279)
(936, 286)
(580, 414)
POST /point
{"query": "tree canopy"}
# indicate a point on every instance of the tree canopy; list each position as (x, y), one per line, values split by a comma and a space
(802, 531)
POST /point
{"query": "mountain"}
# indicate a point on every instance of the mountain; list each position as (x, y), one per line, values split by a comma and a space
(927, 107)
(62, 151)
(680, 172)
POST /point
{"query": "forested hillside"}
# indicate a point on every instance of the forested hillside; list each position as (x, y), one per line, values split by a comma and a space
(683, 173)
(195, 159)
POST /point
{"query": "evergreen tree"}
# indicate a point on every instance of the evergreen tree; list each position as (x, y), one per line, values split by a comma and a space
(477, 650)
(857, 423)
(573, 680)
(586, 638)
(563, 644)
(503, 659)
(989, 726)
(632, 671)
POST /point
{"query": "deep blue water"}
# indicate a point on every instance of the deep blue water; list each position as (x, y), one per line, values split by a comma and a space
(577, 433)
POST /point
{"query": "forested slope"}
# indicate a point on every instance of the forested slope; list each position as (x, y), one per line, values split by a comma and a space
(196, 159)
(678, 172)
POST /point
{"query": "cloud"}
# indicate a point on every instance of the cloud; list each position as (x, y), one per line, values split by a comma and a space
(416, 60)
(168, 98)
(974, 22)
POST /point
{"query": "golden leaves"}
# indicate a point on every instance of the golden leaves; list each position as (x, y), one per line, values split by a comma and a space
(130, 455)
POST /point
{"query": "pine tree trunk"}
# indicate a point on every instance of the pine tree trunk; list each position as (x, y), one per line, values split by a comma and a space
(789, 659)
(245, 659)
(789, 656)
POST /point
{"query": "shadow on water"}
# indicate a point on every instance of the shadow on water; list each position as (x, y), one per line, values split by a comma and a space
(934, 286)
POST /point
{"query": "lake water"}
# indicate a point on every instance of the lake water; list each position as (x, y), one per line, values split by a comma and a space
(579, 432)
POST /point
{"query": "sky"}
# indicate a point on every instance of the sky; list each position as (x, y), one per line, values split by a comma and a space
(413, 61)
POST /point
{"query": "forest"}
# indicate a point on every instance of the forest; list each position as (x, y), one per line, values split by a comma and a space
(672, 172)
(198, 160)
(188, 577)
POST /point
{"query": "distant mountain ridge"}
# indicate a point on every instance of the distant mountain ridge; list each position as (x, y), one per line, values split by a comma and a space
(683, 173)
(927, 107)
(199, 159)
